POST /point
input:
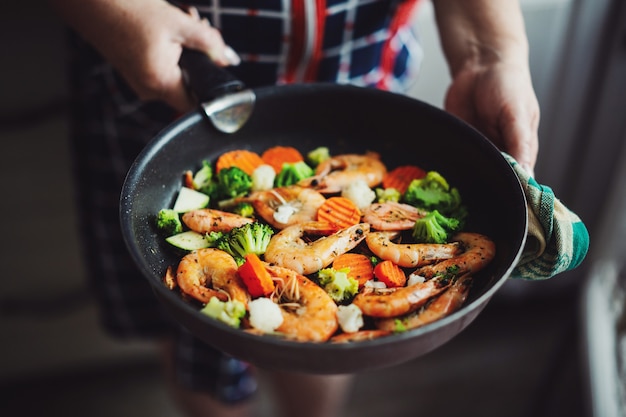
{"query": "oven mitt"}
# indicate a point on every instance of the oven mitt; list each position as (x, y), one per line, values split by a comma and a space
(556, 241)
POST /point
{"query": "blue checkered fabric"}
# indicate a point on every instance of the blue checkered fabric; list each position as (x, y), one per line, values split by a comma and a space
(355, 34)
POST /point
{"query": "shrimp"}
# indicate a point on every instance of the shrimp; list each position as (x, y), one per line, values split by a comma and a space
(334, 174)
(287, 248)
(211, 220)
(208, 273)
(409, 254)
(444, 304)
(478, 251)
(398, 301)
(284, 206)
(360, 336)
(391, 216)
(309, 314)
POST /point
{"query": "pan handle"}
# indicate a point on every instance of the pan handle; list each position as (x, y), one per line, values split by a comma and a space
(205, 80)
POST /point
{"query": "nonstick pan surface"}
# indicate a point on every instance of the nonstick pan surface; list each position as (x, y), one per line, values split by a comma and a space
(345, 119)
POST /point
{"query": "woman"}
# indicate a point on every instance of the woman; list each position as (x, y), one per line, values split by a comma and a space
(127, 86)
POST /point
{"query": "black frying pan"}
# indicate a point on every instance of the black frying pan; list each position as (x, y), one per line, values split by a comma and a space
(346, 119)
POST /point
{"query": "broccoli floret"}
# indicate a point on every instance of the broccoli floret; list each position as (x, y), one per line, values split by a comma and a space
(338, 284)
(213, 238)
(202, 178)
(244, 209)
(433, 193)
(249, 238)
(318, 155)
(292, 173)
(384, 195)
(434, 227)
(233, 182)
(168, 222)
(229, 312)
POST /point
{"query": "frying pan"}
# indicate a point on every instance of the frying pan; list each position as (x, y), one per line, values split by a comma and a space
(345, 119)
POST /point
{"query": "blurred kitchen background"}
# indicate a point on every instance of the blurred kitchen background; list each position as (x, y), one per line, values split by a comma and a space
(539, 349)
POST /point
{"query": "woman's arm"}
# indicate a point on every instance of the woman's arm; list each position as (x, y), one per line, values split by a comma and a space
(486, 47)
(143, 40)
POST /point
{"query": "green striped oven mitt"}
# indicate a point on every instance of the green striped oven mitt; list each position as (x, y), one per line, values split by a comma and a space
(556, 241)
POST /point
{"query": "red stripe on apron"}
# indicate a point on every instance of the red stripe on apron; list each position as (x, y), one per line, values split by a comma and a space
(402, 17)
(296, 45)
(316, 55)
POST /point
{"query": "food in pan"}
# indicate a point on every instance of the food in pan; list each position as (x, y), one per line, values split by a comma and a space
(320, 247)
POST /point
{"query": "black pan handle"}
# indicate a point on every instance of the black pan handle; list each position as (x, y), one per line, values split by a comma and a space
(205, 80)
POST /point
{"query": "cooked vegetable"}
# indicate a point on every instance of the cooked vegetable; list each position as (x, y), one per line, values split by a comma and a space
(318, 155)
(249, 238)
(243, 159)
(359, 193)
(292, 173)
(350, 318)
(339, 211)
(400, 177)
(229, 312)
(232, 182)
(189, 199)
(338, 284)
(433, 193)
(254, 275)
(265, 315)
(213, 237)
(263, 178)
(188, 240)
(244, 209)
(390, 273)
(168, 222)
(357, 265)
(202, 178)
(384, 195)
(278, 155)
(434, 227)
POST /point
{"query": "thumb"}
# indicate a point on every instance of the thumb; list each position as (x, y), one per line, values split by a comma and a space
(200, 35)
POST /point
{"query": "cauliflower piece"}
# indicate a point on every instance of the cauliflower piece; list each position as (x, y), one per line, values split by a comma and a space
(229, 312)
(265, 315)
(284, 212)
(263, 178)
(350, 318)
(359, 193)
(415, 279)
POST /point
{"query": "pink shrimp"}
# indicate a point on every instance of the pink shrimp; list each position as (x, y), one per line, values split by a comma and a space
(284, 206)
(391, 216)
(309, 314)
(336, 173)
(360, 336)
(288, 249)
(477, 252)
(211, 220)
(398, 301)
(409, 254)
(208, 273)
(444, 304)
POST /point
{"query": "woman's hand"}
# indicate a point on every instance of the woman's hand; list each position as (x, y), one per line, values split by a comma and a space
(487, 50)
(499, 100)
(143, 40)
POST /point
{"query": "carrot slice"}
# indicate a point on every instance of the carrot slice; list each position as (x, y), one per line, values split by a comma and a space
(400, 177)
(254, 275)
(359, 266)
(244, 159)
(188, 179)
(339, 211)
(278, 155)
(390, 274)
